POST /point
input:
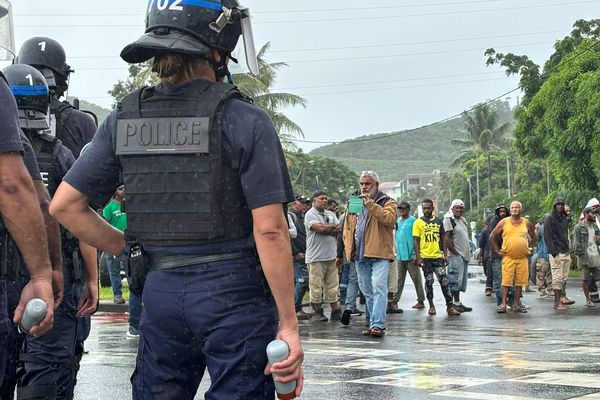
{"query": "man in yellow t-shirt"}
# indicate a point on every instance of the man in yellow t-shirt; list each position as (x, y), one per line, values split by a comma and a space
(427, 235)
(518, 238)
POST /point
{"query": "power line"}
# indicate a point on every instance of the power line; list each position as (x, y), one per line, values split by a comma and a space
(402, 87)
(427, 14)
(566, 60)
(380, 56)
(376, 17)
(419, 42)
(387, 81)
(414, 129)
(374, 45)
(270, 11)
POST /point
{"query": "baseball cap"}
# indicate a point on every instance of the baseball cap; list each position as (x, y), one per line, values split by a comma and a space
(403, 206)
(302, 199)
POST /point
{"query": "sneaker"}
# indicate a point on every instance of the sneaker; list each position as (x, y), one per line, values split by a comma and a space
(501, 309)
(462, 308)
(356, 312)
(302, 316)
(119, 299)
(336, 315)
(543, 294)
(595, 299)
(346, 315)
(319, 316)
(488, 292)
(132, 333)
(566, 301)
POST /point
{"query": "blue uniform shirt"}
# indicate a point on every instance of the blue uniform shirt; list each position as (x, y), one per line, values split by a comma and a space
(9, 121)
(29, 158)
(250, 143)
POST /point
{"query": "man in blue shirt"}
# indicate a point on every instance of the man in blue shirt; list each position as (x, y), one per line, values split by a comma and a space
(405, 260)
(22, 218)
(206, 182)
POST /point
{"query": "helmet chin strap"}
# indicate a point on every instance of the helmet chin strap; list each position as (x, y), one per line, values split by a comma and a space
(220, 68)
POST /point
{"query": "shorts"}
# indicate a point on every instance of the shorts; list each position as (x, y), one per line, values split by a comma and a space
(592, 272)
(515, 269)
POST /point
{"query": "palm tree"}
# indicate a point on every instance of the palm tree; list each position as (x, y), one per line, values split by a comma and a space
(483, 136)
(259, 88)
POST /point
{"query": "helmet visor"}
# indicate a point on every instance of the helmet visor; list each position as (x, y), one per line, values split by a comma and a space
(7, 35)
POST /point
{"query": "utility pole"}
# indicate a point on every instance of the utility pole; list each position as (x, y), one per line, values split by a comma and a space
(470, 194)
(508, 175)
(477, 170)
(547, 176)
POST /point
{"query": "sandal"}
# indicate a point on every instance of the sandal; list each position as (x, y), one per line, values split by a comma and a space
(366, 332)
(521, 309)
(501, 309)
(377, 332)
(432, 311)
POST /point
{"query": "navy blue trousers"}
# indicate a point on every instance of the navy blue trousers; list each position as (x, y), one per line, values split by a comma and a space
(57, 351)
(219, 316)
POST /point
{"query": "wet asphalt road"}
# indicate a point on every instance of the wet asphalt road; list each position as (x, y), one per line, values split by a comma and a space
(543, 354)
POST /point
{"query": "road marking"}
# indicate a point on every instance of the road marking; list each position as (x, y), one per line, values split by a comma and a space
(423, 381)
(578, 379)
(482, 396)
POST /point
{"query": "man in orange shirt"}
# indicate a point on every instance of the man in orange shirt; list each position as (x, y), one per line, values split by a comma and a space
(518, 238)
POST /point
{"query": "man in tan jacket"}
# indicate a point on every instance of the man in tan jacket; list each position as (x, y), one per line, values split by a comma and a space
(369, 240)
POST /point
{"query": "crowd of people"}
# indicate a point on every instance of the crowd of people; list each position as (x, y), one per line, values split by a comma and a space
(381, 242)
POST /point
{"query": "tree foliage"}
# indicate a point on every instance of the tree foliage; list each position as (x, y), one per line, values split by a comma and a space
(257, 87)
(558, 119)
(333, 177)
(485, 135)
(139, 75)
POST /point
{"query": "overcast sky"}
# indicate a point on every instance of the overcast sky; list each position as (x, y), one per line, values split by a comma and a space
(363, 66)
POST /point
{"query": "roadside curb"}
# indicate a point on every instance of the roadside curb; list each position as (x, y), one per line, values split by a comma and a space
(109, 306)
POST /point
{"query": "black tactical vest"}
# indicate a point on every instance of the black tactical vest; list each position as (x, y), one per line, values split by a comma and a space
(181, 188)
(46, 150)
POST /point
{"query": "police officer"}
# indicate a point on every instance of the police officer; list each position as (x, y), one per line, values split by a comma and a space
(206, 183)
(50, 362)
(73, 127)
(21, 215)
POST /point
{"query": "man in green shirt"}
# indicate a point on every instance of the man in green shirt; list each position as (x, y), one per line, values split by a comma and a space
(113, 214)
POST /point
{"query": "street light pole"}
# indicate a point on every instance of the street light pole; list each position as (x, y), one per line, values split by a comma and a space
(470, 194)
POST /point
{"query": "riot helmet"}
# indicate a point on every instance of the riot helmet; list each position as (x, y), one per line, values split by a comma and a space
(31, 92)
(49, 57)
(194, 27)
(7, 35)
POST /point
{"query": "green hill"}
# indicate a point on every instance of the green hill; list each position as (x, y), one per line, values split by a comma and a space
(412, 151)
(100, 112)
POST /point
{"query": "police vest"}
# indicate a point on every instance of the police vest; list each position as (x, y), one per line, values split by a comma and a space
(46, 148)
(181, 188)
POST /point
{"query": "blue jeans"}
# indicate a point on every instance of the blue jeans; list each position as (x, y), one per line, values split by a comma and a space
(352, 292)
(114, 272)
(457, 274)
(300, 283)
(372, 280)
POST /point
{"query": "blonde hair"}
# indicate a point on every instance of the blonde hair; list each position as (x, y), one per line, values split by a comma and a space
(174, 67)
